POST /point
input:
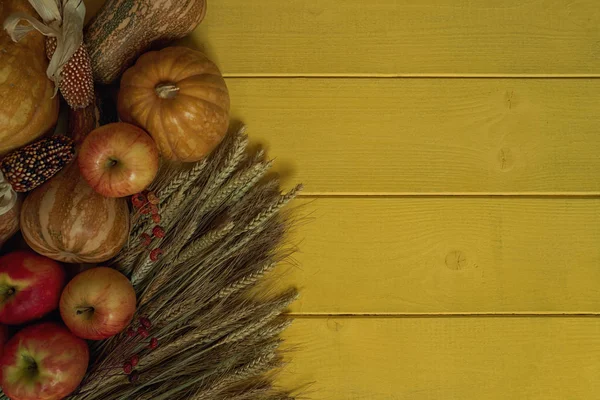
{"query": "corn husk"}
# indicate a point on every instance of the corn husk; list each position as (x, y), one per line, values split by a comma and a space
(62, 19)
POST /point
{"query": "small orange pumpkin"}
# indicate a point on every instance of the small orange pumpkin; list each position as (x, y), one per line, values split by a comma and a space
(180, 98)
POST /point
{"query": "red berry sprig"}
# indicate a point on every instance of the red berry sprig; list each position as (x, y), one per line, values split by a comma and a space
(146, 239)
(158, 232)
(138, 200)
(153, 198)
(127, 368)
(147, 204)
(155, 254)
(142, 332)
(145, 322)
(135, 360)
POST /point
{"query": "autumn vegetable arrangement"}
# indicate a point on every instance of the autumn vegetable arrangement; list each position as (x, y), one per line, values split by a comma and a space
(145, 226)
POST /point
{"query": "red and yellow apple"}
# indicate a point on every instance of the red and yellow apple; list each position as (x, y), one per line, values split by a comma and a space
(30, 286)
(43, 361)
(98, 303)
(118, 160)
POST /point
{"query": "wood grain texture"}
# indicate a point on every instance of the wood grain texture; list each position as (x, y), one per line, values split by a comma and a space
(446, 358)
(447, 255)
(372, 150)
(427, 135)
(391, 37)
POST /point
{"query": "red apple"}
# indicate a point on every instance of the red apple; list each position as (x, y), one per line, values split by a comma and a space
(30, 286)
(98, 303)
(43, 361)
(118, 160)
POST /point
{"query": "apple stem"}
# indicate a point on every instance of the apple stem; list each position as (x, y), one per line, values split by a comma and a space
(31, 365)
(166, 90)
(6, 294)
(85, 310)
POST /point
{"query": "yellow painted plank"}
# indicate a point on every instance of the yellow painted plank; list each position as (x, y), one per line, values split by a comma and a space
(427, 135)
(446, 358)
(447, 255)
(391, 37)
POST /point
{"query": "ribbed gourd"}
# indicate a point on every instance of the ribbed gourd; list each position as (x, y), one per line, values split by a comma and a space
(124, 29)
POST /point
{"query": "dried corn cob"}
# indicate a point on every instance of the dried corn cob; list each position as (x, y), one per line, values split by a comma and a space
(28, 167)
(77, 81)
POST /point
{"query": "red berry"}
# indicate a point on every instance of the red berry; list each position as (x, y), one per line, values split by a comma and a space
(138, 200)
(153, 209)
(153, 343)
(145, 209)
(127, 368)
(145, 322)
(143, 332)
(130, 332)
(156, 218)
(134, 377)
(153, 198)
(155, 254)
(135, 360)
(146, 239)
(158, 231)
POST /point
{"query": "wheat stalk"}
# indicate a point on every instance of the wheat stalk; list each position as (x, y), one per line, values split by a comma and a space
(255, 174)
(245, 281)
(261, 365)
(266, 214)
(141, 271)
(217, 339)
(197, 246)
(232, 161)
(239, 183)
(252, 394)
(192, 176)
(274, 330)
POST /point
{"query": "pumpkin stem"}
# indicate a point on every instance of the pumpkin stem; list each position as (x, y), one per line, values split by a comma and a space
(166, 90)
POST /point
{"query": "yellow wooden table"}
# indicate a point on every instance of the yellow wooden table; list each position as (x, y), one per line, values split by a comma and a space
(451, 155)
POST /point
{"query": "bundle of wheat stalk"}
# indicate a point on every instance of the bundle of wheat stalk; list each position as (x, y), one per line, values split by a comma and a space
(223, 229)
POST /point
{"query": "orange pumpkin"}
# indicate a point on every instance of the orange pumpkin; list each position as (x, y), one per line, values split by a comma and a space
(180, 98)
(66, 220)
(27, 107)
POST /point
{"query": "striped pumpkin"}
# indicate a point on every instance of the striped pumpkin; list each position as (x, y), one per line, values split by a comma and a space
(66, 220)
(9, 222)
(124, 29)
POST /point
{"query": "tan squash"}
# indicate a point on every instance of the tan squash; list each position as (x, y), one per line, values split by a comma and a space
(27, 107)
(180, 98)
(66, 220)
(124, 29)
